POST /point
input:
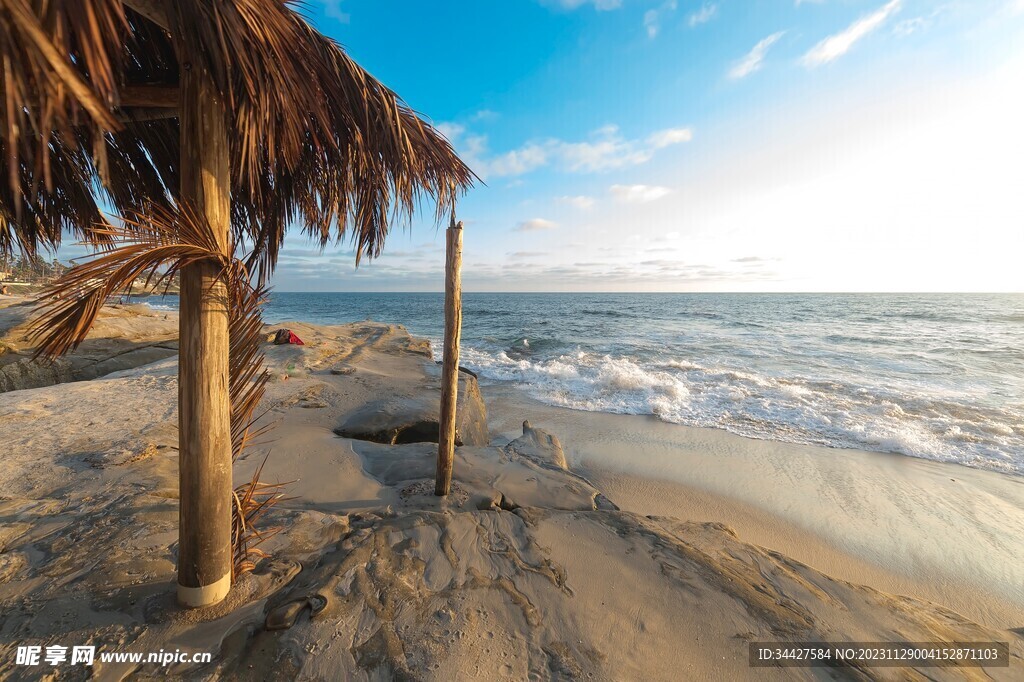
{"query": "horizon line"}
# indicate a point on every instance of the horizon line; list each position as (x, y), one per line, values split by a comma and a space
(772, 293)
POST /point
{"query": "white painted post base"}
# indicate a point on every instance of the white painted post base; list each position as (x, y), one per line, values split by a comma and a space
(207, 595)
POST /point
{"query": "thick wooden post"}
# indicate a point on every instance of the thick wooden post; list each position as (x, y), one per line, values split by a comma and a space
(450, 366)
(204, 410)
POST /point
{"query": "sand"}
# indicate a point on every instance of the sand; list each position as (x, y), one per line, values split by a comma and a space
(527, 571)
(941, 532)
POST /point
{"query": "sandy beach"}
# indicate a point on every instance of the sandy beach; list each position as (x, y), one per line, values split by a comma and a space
(941, 532)
(658, 552)
(549, 340)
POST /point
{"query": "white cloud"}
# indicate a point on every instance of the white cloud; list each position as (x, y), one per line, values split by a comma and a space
(452, 131)
(581, 202)
(651, 23)
(518, 161)
(606, 149)
(837, 45)
(535, 225)
(475, 145)
(752, 61)
(638, 194)
(653, 17)
(609, 150)
(601, 154)
(473, 150)
(705, 14)
(669, 137)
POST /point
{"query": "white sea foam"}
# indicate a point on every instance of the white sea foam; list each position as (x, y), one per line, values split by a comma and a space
(791, 409)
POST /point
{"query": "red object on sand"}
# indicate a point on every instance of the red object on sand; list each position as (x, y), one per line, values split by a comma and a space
(285, 336)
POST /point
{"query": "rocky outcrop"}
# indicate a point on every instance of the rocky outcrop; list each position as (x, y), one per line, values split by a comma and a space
(400, 420)
(538, 445)
(549, 594)
(23, 372)
(483, 478)
(123, 337)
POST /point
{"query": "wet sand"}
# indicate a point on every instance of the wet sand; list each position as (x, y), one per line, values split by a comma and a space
(941, 532)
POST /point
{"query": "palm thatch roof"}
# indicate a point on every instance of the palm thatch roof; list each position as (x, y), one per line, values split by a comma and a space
(88, 120)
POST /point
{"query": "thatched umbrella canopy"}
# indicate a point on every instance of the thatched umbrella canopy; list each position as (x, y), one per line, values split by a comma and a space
(90, 89)
(205, 124)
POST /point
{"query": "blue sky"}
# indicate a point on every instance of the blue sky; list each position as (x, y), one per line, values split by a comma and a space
(703, 145)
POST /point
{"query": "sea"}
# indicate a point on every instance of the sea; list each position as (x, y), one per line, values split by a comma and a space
(934, 376)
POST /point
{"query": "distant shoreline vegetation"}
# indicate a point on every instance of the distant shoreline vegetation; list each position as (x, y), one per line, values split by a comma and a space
(36, 271)
(30, 269)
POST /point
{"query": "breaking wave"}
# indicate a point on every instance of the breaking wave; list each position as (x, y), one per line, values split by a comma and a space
(795, 409)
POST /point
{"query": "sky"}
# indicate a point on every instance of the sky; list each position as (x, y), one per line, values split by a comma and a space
(702, 145)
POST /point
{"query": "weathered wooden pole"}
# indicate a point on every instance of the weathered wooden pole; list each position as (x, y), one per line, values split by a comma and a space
(204, 410)
(450, 366)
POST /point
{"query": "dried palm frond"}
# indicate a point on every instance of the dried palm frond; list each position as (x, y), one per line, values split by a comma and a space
(247, 375)
(156, 245)
(252, 501)
(247, 384)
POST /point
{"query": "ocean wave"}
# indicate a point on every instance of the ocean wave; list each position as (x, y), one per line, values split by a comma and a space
(160, 306)
(934, 376)
(746, 324)
(524, 346)
(749, 403)
(925, 316)
(606, 312)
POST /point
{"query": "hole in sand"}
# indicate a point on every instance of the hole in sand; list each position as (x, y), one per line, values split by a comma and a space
(420, 432)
